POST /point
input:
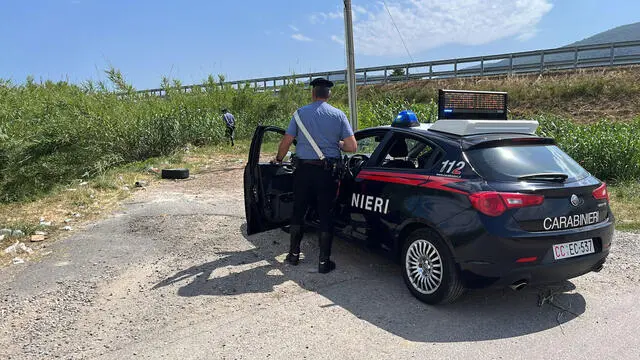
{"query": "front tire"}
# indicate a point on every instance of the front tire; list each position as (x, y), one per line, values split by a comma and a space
(429, 270)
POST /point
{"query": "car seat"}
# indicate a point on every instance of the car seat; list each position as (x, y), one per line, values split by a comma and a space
(399, 150)
(426, 160)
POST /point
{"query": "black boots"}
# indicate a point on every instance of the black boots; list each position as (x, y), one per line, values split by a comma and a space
(325, 265)
(293, 257)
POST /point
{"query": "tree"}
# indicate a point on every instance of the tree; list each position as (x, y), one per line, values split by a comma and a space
(398, 72)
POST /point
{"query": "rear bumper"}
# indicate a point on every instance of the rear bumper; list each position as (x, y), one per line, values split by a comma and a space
(491, 260)
(496, 275)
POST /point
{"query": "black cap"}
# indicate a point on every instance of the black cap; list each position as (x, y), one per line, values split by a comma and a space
(224, 110)
(321, 82)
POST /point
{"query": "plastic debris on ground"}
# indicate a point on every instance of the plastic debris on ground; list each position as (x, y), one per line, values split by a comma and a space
(18, 247)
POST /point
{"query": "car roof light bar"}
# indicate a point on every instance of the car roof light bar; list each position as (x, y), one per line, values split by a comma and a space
(480, 105)
(463, 112)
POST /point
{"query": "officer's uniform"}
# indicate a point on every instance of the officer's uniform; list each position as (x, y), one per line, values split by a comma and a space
(314, 178)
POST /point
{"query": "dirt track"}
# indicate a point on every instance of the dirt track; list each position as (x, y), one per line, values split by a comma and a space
(172, 275)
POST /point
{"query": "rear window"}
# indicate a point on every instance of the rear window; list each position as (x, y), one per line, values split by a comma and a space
(508, 163)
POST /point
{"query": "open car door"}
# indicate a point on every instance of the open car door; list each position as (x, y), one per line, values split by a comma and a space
(268, 188)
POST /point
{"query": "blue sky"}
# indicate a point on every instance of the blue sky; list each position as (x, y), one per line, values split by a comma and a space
(187, 40)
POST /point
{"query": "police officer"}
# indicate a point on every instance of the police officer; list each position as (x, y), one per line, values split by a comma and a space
(230, 123)
(314, 179)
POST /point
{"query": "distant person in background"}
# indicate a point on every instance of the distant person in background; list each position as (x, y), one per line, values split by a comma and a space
(230, 123)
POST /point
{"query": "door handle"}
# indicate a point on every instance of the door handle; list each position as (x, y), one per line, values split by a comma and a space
(286, 168)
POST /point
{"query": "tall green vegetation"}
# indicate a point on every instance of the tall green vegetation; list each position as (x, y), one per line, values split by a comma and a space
(54, 133)
(609, 150)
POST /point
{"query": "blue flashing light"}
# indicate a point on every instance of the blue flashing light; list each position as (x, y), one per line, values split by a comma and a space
(406, 118)
(448, 110)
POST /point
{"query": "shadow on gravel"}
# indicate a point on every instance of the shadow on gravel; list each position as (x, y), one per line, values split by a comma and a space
(370, 287)
(248, 274)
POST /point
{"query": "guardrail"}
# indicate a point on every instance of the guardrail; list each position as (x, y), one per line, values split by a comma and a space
(526, 62)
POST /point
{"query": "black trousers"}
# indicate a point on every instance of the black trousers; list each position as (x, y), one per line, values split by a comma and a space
(313, 184)
(230, 132)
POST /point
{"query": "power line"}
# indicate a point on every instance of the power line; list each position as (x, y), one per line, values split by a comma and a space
(398, 30)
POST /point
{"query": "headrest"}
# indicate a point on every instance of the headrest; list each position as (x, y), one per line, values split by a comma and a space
(399, 149)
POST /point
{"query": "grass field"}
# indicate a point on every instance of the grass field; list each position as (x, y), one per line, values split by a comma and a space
(625, 204)
(584, 97)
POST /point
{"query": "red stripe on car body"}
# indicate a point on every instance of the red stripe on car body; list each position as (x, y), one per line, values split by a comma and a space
(426, 181)
(441, 182)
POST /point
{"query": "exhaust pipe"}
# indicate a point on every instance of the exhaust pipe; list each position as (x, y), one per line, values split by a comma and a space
(598, 268)
(519, 285)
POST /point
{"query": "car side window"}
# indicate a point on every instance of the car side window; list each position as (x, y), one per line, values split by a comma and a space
(367, 145)
(407, 152)
(425, 153)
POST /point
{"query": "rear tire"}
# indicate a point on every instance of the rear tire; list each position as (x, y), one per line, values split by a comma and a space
(428, 268)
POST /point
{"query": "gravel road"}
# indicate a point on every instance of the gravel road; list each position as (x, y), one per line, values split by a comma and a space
(173, 275)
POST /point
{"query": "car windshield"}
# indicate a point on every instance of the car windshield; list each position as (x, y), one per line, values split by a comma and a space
(530, 162)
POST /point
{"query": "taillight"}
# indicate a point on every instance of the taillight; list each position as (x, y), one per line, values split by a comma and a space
(601, 192)
(488, 203)
(496, 203)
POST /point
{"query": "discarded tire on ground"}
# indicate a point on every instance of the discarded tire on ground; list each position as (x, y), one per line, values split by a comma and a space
(175, 173)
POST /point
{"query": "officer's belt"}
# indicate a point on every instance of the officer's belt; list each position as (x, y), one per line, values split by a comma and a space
(317, 162)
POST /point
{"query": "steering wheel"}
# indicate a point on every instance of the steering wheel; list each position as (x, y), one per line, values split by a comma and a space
(354, 164)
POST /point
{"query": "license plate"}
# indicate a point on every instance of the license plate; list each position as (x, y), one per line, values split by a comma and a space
(571, 249)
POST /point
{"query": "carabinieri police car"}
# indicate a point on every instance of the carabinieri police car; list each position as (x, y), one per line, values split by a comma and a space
(473, 200)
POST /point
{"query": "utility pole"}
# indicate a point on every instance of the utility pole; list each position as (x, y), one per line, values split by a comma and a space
(351, 64)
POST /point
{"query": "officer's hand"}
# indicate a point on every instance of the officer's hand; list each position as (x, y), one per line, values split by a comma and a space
(275, 161)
